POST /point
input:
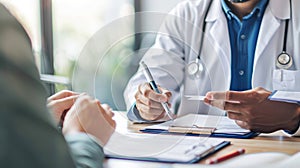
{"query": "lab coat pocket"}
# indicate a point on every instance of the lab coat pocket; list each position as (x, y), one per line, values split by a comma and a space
(287, 80)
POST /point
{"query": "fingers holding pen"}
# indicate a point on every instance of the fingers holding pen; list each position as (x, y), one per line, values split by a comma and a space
(148, 102)
(150, 113)
(146, 90)
(146, 96)
(143, 97)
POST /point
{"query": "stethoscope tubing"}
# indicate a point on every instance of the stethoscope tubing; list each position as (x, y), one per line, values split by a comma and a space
(194, 69)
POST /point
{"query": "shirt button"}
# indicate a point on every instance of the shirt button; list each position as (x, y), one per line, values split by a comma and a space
(258, 15)
(241, 72)
(243, 36)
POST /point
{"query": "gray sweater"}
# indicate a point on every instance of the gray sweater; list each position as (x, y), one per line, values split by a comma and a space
(28, 134)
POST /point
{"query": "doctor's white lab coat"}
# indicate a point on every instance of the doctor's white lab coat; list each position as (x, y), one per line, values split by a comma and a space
(178, 42)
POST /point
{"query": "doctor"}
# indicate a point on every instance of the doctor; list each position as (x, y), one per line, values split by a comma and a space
(245, 44)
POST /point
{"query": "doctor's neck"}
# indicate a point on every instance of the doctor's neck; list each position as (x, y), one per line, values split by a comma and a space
(242, 9)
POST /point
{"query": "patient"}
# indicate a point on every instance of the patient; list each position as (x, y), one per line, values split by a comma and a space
(29, 135)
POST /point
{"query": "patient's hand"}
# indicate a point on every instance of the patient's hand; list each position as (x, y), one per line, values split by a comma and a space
(61, 102)
(88, 115)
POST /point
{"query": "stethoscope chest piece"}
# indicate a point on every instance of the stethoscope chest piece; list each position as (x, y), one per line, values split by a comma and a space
(194, 68)
(284, 61)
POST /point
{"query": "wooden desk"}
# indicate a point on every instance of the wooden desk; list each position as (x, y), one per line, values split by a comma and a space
(275, 142)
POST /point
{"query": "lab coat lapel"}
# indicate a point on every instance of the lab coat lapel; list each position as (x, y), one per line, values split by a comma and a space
(276, 10)
(218, 31)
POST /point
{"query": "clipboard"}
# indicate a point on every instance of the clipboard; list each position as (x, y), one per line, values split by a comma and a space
(285, 96)
(184, 150)
(191, 130)
(216, 135)
(185, 125)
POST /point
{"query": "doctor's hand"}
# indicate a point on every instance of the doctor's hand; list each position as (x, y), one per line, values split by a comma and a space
(148, 102)
(89, 116)
(252, 110)
(61, 102)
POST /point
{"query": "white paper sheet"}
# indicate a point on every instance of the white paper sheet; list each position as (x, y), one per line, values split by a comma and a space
(193, 97)
(222, 123)
(159, 147)
(285, 96)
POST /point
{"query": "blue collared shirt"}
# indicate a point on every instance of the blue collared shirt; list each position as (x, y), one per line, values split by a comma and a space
(243, 37)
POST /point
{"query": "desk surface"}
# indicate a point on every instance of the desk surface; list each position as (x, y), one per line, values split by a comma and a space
(274, 142)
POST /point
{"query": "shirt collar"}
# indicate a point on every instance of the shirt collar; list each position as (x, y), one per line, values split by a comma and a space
(260, 7)
(226, 9)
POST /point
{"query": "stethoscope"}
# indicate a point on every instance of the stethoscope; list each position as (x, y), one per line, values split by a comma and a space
(283, 61)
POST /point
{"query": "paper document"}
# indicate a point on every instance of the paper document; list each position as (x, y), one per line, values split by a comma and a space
(206, 124)
(193, 97)
(285, 96)
(162, 148)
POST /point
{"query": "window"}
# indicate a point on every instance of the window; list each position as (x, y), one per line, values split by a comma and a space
(74, 24)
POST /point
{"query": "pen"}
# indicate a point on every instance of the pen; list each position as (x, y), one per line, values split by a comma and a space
(154, 87)
(62, 118)
(226, 157)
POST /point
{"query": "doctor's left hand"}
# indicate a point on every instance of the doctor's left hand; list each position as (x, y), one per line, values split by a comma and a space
(252, 110)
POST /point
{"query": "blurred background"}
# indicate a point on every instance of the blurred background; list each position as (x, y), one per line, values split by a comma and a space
(60, 29)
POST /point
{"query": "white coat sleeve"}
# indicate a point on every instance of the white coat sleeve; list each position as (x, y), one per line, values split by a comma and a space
(165, 59)
(297, 133)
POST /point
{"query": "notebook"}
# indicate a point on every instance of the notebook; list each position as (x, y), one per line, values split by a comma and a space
(162, 148)
(205, 125)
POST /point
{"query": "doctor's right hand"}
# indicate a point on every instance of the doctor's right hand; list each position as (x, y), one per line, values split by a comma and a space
(148, 102)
